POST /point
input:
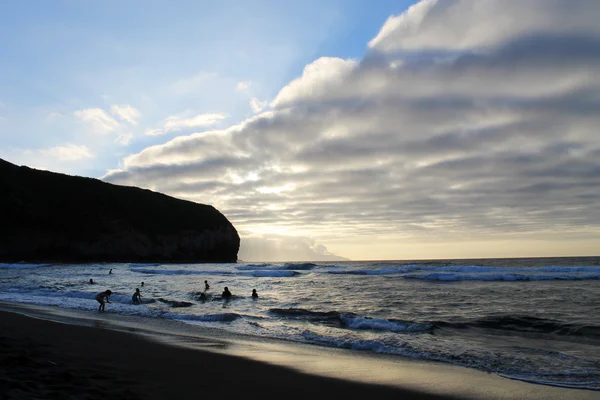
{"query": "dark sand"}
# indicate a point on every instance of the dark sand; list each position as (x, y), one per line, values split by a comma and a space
(53, 353)
(41, 359)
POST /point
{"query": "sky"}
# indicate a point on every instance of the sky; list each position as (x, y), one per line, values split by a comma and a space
(324, 130)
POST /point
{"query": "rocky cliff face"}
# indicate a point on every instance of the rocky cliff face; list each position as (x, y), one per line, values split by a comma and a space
(45, 216)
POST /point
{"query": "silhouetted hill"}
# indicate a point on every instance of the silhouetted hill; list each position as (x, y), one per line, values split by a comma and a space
(46, 216)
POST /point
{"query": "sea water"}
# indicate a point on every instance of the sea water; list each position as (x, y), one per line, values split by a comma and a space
(536, 320)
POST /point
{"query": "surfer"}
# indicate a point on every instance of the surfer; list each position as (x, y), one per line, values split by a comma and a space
(110, 272)
(137, 297)
(226, 293)
(91, 281)
(100, 299)
(206, 286)
(142, 283)
(254, 294)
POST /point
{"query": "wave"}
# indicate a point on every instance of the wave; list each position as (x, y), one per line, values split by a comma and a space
(143, 265)
(301, 313)
(352, 321)
(528, 324)
(23, 266)
(299, 266)
(391, 325)
(484, 272)
(579, 375)
(175, 303)
(181, 272)
(269, 274)
(258, 273)
(225, 317)
(270, 267)
(375, 271)
(446, 277)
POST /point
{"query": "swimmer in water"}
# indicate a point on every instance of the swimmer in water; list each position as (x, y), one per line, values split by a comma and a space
(226, 293)
(254, 294)
(137, 297)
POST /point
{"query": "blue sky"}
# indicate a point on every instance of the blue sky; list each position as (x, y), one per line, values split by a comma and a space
(162, 58)
(366, 130)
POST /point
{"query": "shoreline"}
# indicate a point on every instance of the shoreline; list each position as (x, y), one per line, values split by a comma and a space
(260, 364)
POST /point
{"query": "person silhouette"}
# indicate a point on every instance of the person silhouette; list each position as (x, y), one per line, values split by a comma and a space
(142, 284)
(206, 286)
(254, 294)
(91, 282)
(110, 272)
(100, 299)
(137, 297)
(226, 293)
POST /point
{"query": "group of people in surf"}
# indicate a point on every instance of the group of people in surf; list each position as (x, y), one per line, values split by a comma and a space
(225, 295)
(104, 297)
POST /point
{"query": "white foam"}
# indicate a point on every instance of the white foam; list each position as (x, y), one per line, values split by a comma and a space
(383, 325)
(269, 274)
(225, 317)
(181, 272)
(22, 266)
(500, 277)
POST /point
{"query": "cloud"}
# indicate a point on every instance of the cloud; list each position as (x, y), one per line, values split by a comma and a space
(452, 25)
(176, 123)
(124, 138)
(68, 152)
(284, 248)
(243, 86)
(98, 119)
(457, 125)
(257, 105)
(126, 113)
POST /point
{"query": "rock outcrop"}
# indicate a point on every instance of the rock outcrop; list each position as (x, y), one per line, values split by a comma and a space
(51, 217)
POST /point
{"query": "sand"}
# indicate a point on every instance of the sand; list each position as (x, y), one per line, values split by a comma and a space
(44, 359)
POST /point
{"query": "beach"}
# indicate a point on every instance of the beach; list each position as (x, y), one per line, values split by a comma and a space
(50, 353)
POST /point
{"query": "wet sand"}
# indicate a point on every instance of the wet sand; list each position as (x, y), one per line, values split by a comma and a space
(43, 359)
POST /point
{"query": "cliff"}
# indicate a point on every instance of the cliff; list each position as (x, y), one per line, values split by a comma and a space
(46, 216)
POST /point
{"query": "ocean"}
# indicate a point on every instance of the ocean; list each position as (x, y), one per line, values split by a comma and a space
(535, 320)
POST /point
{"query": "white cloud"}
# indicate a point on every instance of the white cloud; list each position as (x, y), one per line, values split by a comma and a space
(124, 138)
(320, 77)
(98, 119)
(69, 152)
(126, 113)
(491, 136)
(257, 105)
(243, 86)
(178, 122)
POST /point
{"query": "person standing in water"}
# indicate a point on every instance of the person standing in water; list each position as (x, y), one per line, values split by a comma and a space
(110, 272)
(254, 294)
(100, 299)
(226, 293)
(137, 297)
(206, 286)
